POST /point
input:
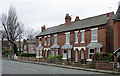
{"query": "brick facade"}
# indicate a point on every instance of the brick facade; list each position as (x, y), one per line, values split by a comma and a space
(105, 37)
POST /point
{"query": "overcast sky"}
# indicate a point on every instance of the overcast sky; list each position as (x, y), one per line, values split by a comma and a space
(36, 13)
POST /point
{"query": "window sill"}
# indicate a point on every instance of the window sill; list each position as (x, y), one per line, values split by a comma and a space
(89, 59)
(64, 58)
(76, 42)
(82, 42)
(94, 41)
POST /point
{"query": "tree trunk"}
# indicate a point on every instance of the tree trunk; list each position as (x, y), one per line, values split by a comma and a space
(12, 49)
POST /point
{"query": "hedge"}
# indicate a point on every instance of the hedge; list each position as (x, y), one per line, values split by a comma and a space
(28, 55)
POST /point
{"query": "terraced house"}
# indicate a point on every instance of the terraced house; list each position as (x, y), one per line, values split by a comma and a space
(77, 40)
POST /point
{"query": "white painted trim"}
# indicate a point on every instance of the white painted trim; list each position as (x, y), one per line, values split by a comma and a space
(45, 36)
(40, 37)
(76, 31)
(55, 34)
(76, 42)
(82, 42)
(67, 33)
(79, 48)
(48, 35)
(82, 30)
(89, 59)
(46, 49)
(95, 41)
(64, 58)
(94, 29)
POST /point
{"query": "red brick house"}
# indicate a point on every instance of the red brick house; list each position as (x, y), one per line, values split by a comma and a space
(117, 35)
(77, 40)
(29, 46)
(32, 46)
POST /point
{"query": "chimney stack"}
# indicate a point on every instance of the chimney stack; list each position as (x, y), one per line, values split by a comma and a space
(43, 28)
(77, 18)
(67, 19)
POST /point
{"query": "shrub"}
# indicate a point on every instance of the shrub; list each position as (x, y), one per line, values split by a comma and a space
(28, 55)
(54, 58)
(118, 59)
(106, 57)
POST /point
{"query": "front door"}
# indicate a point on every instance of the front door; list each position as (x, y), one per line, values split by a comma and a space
(82, 54)
(76, 56)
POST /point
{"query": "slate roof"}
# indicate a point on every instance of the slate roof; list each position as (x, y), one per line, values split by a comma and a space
(67, 46)
(88, 22)
(94, 45)
(33, 41)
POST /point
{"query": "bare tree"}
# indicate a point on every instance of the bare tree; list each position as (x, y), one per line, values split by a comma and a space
(30, 34)
(12, 27)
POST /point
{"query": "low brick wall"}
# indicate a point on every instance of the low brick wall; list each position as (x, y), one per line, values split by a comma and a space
(104, 66)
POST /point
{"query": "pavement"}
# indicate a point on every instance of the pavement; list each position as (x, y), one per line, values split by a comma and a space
(70, 67)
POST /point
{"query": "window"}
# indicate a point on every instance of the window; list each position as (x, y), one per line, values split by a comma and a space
(31, 46)
(91, 52)
(45, 39)
(76, 37)
(41, 53)
(98, 50)
(64, 54)
(56, 52)
(82, 37)
(67, 38)
(52, 53)
(94, 35)
(40, 41)
(24, 46)
(118, 54)
(55, 39)
(37, 53)
(69, 53)
(48, 40)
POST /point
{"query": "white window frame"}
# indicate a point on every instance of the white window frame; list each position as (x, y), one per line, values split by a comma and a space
(55, 38)
(82, 36)
(94, 35)
(91, 53)
(118, 53)
(64, 54)
(76, 37)
(40, 42)
(52, 53)
(98, 50)
(67, 37)
(45, 40)
(56, 52)
(25, 47)
(32, 46)
(69, 53)
(40, 52)
(48, 39)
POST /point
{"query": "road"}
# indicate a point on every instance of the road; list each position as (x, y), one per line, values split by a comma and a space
(15, 67)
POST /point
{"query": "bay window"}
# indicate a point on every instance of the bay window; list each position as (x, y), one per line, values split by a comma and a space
(91, 52)
(40, 40)
(64, 54)
(69, 53)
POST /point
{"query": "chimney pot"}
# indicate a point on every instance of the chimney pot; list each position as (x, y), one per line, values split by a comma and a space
(77, 18)
(43, 28)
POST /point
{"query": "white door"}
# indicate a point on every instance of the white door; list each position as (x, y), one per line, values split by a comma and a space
(76, 56)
